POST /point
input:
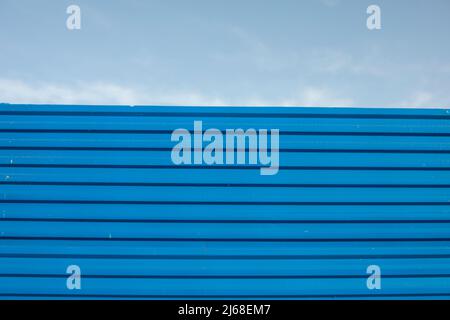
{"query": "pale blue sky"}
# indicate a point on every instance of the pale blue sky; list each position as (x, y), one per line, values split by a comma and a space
(227, 52)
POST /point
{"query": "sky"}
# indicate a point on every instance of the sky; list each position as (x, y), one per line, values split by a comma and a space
(226, 52)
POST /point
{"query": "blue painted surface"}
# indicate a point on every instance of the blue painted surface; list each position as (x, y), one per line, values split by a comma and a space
(95, 186)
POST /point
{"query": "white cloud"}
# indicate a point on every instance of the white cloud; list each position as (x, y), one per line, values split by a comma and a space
(425, 99)
(318, 97)
(334, 61)
(17, 91)
(251, 52)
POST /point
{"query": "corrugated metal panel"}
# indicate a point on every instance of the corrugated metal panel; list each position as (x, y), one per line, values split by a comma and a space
(95, 187)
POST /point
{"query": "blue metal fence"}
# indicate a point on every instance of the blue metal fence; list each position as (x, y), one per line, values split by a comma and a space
(96, 187)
